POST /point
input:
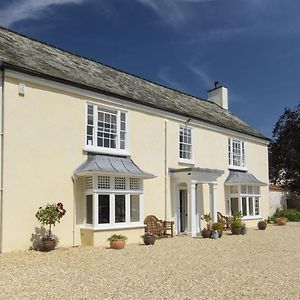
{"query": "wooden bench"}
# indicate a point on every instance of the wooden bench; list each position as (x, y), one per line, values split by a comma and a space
(224, 219)
(158, 227)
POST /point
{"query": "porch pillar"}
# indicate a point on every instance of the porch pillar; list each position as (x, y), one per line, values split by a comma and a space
(192, 208)
(213, 201)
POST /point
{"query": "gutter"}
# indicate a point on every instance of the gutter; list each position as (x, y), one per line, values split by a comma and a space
(1, 150)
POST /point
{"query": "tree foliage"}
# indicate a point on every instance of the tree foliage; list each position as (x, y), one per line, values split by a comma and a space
(284, 151)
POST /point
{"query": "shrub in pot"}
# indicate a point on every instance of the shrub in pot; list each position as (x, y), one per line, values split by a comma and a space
(243, 229)
(148, 238)
(117, 241)
(50, 215)
(219, 227)
(236, 227)
(262, 225)
(206, 232)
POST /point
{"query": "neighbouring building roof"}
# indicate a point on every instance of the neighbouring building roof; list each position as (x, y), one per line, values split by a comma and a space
(277, 188)
(112, 165)
(245, 178)
(37, 58)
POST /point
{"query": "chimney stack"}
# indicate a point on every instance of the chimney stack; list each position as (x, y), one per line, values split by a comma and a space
(219, 95)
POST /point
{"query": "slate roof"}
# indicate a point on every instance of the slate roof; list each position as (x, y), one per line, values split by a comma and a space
(238, 177)
(37, 58)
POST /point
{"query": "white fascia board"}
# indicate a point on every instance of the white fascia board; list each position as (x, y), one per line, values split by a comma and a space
(114, 100)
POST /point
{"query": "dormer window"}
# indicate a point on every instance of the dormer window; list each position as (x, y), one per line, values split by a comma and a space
(106, 129)
(236, 154)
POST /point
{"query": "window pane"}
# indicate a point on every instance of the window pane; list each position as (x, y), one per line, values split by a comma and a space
(185, 142)
(119, 208)
(134, 208)
(234, 205)
(233, 189)
(250, 206)
(250, 189)
(256, 190)
(244, 206)
(243, 189)
(89, 209)
(103, 209)
(256, 206)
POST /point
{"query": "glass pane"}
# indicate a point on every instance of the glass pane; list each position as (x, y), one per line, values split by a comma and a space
(233, 189)
(256, 190)
(134, 208)
(123, 117)
(243, 189)
(103, 209)
(122, 145)
(250, 189)
(234, 205)
(119, 208)
(89, 209)
(256, 206)
(250, 206)
(244, 206)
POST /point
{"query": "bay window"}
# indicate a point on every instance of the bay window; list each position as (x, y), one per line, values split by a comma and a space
(106, 129)
(113, 202)
(245, 198)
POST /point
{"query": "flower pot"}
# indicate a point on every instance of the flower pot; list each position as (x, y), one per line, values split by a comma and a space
(281, 221)
(220, 232)
(149, 239)
(243, 230)
(236, 230)
(117, 244)
(47, 244)
(206, 233)
(262, 225)
(215, 234)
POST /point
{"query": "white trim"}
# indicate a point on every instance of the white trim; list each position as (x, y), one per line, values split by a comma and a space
(128, 105)
(117, 226)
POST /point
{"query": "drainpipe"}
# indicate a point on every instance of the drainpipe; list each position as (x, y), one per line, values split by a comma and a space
(167, 187)
(1, 151)
(74, 208)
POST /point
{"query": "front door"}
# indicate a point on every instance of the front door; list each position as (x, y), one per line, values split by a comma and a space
(183, 210)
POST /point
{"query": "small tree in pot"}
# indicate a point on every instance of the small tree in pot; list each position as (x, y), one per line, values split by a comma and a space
(206, 232)
(236, 227)
(50, 215)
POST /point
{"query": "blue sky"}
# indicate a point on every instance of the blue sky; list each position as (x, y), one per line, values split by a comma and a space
(251, 46)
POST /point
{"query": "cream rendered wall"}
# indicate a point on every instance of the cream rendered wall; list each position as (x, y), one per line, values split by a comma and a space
(44, 138)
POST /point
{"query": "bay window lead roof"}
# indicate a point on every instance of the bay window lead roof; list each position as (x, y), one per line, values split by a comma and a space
(242, 178)
(27, 55)
(111, 165)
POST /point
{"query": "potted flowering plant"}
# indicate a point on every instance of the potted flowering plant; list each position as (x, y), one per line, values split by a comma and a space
(206, 232)
(148, 238)
(50, 215)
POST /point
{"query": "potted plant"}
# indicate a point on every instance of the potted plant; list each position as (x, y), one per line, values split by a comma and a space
(148, 238)
(206, 232)
(243, 229)
(281, 221)
(262, 225)
(236, 227)
(50, 215)
(219, 227)
(117, 241)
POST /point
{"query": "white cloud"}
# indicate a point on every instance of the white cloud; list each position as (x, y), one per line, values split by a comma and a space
(29, 9)
(164, 75)
(202, 74)
(173, 12)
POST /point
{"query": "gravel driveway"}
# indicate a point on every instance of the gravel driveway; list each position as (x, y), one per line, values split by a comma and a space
(260, 265)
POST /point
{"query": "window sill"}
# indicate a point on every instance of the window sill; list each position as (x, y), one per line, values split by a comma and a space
(246, 218)
(236, 168)
(112, 227)
(186, 162)
(105, 150)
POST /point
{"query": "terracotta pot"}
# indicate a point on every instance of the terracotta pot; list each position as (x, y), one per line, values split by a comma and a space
(236, 230)
(117, 244)
(47, 244)
(149, 239)
(206, 233)
(262, 225)
(281, 221)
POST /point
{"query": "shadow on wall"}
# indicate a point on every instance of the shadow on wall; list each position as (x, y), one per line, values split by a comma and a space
(36, 237)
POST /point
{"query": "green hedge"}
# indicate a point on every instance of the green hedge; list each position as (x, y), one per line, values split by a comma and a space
(293, 215)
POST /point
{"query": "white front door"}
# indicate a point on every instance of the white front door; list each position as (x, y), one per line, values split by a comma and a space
(183, 211)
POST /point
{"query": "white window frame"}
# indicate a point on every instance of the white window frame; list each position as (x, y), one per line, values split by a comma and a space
(111, 110)
(112, 192)
(242, 156)
(239, 195)
(186, 160)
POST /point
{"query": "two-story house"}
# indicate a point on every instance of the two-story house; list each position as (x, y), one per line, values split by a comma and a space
(114, 148)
